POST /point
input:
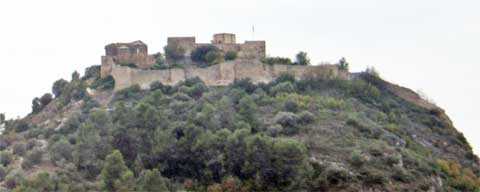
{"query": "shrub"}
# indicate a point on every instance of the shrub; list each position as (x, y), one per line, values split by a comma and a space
(200, 53)
(21, 126)
(372, 176)
(230, 55)
(244, 84)
(128, 93)
(285, 87)
(58, 87)
(302, 58)
(19, 149)
(46, 99)
(33, 158)
(13, 179)
(61, 150)
(306, 117)
(460, 178)
(3, 173)
(31, 144)
(213, 57)
(289, 122)
(277, 60)
(92, 72)
(5, 158)
(106, 83)
(343, 64)
(400, 174)
(285, 77)
(131, 65)
(291, 106)
(357, 159)
(174, 52)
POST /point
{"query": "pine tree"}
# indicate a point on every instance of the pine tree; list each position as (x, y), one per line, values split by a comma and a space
(115, 174)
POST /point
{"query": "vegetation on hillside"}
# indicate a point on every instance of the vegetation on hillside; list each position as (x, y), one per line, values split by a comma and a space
(286, 135)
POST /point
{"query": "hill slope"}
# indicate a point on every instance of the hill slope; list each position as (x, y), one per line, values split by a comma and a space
(314, 134)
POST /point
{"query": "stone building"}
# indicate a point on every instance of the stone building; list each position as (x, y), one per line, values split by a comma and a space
(136, 52)
(130, 53)
(249, 50)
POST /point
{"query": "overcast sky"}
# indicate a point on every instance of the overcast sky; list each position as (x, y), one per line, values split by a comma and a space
(428, 45)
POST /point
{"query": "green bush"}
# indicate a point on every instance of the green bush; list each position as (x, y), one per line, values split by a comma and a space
(5, 158)
(131, 65)
(33, 158)
(284, 87)
(107, 83)
(201, 54)
(306, 117)
(289, 122)
(19, 149)
(373, 176)
(21, 126)
(3, 173)
(58, 87)
(277, 60)
(302, 59)
(129, 93)
(174, 52)
(92, 72)
(230, 55)
(213, 57)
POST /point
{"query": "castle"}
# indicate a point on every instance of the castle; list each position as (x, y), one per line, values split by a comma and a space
(120, 57)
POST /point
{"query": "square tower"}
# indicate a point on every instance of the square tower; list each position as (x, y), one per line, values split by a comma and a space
(224, 38)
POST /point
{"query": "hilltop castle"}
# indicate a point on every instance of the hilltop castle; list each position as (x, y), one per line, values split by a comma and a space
(130, 64)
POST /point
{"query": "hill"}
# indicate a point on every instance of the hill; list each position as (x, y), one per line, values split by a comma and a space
(314, 134)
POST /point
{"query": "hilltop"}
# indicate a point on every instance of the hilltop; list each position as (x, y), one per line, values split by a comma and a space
(289, 127)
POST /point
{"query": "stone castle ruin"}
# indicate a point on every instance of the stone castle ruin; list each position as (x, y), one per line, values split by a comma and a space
(120, 57)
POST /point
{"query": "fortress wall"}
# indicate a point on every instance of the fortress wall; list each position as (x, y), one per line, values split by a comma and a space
(221, 74)
(209, 75)
(252, 50)
(107, 64)
(255, 71)
(226, 73)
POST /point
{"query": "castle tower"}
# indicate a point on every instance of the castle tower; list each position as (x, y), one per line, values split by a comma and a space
(224, 38)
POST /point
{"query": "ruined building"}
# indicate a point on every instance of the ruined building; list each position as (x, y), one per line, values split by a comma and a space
(120, 57)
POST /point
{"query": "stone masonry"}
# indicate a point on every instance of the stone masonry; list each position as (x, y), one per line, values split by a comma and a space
(247, 65)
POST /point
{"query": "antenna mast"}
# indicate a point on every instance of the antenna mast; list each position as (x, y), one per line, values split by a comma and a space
(253, 32)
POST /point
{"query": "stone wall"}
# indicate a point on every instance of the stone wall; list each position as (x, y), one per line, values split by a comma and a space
(219, 75)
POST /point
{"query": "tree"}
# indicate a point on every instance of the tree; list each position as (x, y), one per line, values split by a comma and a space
(152, 181)
(200, 53)
(36, 105)
(58, 87)
(2, 118)
(343, 64)
(230, 55)
(75, 76)
(302, 58)
(247, 108)
(174, 52)
(213, 57)
(115, 174)
(46, 99)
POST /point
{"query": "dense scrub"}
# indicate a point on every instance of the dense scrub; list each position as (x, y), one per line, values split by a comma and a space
(287, 135)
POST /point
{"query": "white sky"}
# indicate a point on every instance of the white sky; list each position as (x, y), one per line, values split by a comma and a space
(432, 45)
